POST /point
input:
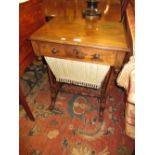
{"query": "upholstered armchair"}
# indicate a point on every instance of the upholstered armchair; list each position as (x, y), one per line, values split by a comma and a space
(126, 77)
(130, 107)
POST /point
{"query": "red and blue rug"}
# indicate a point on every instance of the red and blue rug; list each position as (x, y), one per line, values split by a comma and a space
(72, 128)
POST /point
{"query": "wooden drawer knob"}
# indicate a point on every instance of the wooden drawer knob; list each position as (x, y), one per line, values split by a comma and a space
(96, 56)
(54, 51)
(76, 51)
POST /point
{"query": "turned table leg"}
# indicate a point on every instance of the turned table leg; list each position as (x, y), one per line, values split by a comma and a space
(104, 92)
(54, 87)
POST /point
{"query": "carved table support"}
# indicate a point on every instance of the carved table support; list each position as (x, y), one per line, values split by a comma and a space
(54, 87)
(104, 92)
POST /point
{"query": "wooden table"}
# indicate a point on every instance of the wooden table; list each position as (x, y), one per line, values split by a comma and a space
(70, 36)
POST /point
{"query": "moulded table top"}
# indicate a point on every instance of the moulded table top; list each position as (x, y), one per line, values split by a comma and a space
(69, 27)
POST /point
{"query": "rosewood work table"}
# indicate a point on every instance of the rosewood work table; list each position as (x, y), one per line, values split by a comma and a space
(70, 36)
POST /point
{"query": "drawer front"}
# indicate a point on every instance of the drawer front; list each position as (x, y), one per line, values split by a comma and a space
(93, 55)
(52, 49)
(79, 53)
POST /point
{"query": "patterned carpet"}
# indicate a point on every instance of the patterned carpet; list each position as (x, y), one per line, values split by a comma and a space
(72, 128)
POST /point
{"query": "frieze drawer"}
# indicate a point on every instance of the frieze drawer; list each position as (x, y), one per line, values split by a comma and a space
(79, 53)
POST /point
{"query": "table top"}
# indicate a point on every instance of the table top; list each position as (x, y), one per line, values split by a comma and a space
(69, 27)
